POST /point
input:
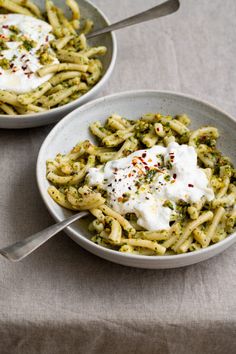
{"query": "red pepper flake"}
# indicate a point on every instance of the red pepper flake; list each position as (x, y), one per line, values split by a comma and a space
(24, 67)
(5, 26)
(141, 159)
(46, 38)
(144, 155)
(190, 185)
(147, 168)
(158, 129)
(130, 174)
(22, 57)
(174, 175)
(0, 73)
(29, 74)
(143, 162)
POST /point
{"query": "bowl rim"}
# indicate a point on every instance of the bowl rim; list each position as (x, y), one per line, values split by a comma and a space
(87, 95)
(228, 240)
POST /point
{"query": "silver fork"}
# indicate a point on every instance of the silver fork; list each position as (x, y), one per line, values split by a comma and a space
(21, 249)
(163, 9)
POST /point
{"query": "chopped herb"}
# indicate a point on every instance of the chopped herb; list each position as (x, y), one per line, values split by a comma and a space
(3, 45)
(167, 178)
(5, 64)
(168, 204)
(14, 29)
(28, 44)
(169, 165)
(150, 175)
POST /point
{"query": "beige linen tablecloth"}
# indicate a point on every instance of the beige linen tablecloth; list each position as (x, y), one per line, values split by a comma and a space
(64, 300)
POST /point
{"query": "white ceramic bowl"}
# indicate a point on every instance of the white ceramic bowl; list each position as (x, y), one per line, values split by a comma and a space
(88, 10)
(74, 128)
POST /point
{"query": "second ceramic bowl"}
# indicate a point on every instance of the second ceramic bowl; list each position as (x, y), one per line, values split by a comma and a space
(88, 10)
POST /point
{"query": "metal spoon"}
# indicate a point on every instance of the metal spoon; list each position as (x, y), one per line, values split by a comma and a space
(21, 249)
(164, 9)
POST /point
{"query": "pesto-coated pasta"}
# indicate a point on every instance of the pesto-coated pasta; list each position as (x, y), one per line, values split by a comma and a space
(192, 225)
(65, 56)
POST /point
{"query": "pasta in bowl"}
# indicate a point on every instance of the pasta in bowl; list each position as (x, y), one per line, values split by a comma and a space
(160, 192)
(47, 66)
(153, 185)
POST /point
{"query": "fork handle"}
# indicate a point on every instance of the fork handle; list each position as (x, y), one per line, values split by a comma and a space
(164, 9)
(21, 249)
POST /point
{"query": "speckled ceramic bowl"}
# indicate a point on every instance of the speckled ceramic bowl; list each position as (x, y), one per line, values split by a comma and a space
(74, 128)
(88, 10)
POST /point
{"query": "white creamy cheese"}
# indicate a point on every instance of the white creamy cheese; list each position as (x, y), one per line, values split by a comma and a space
(149, 182)
(21, 77)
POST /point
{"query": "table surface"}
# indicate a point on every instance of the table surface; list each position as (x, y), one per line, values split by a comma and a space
(62, 299)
